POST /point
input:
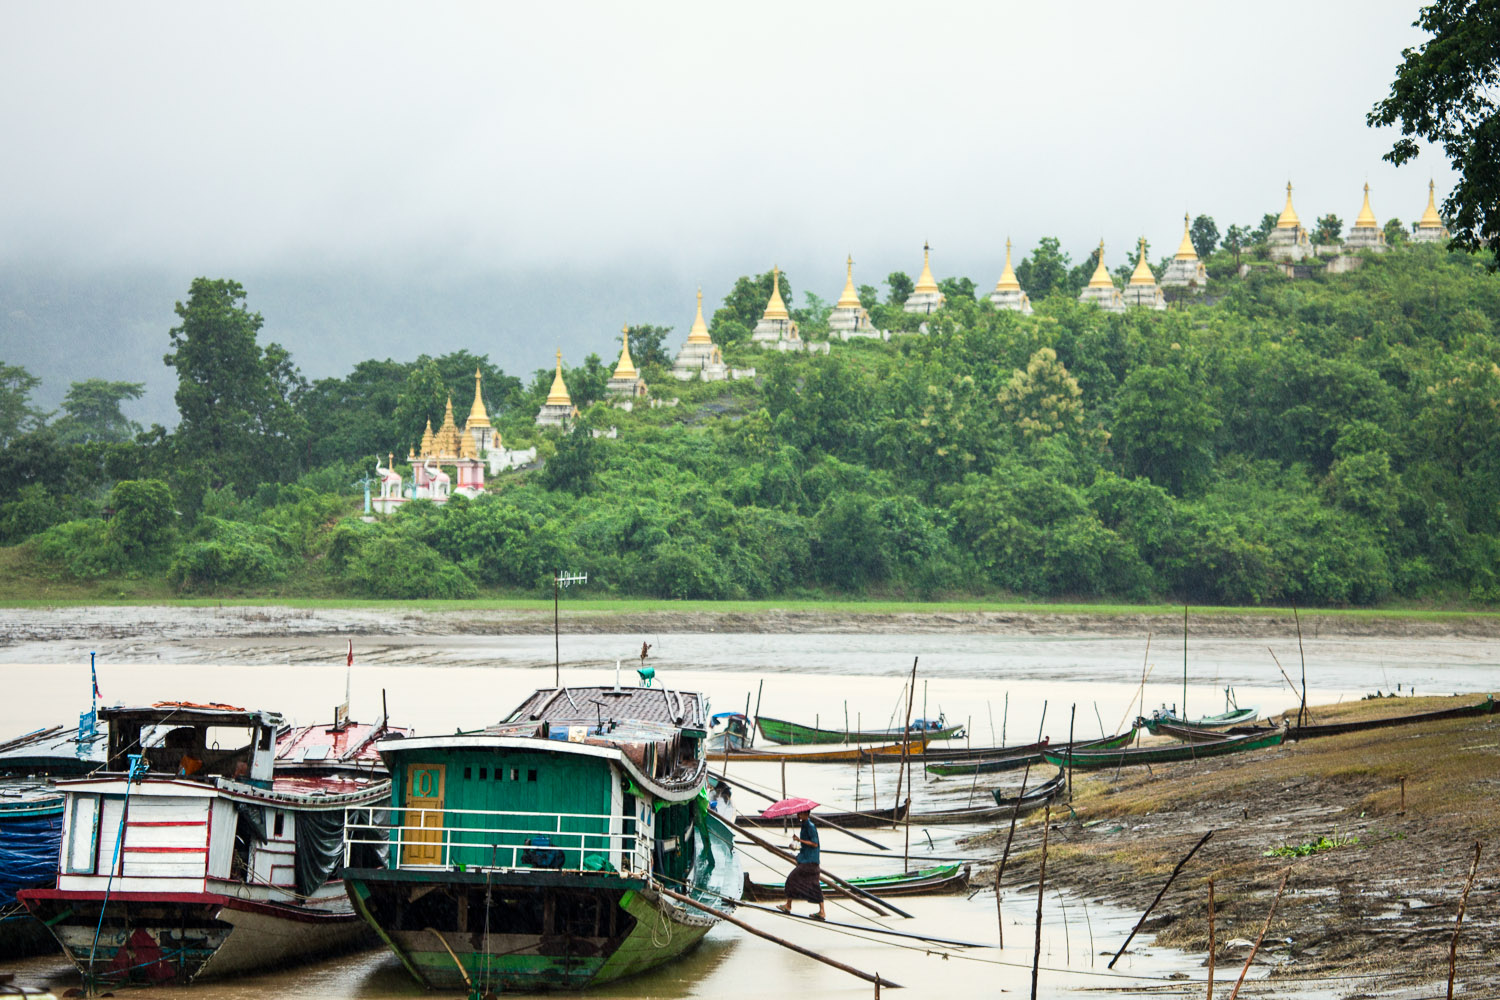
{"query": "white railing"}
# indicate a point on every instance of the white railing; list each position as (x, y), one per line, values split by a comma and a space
(496, 843)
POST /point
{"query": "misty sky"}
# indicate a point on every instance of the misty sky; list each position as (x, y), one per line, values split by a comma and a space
(632, 151)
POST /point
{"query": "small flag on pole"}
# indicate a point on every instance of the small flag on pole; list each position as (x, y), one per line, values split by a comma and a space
(94, 676)
(350, 662)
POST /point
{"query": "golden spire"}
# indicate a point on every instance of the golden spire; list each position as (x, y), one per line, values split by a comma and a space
(776, 309)
(1430, 218)
(850, 298)
(1366, 218)
(559, 394)
(478, 416)
(466, 447)
(445, 442)
(1007, 282)
(626, 367)
(1288, 218)
(925, 282)
(1185, 250)
(699, 333)
(1142, 275)
(427, 440)
(1101, 278)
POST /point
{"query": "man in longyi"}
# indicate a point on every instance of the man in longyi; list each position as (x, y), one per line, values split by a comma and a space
(803, 882)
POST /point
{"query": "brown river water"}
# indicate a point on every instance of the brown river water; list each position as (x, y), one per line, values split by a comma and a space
(997, 684)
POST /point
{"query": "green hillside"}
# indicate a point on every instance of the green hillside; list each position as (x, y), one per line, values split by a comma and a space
(1332, 440)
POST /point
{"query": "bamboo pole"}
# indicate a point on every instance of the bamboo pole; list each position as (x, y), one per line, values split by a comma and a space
(1005, 855)
(1072, 714)
(1463, 904)
(690, 901)
(1188, 856)
(1302, 711)
(1264, 927)
(866, 899)
(906, 765)
(1211, 942)
(1041, 882)
(1184, 715)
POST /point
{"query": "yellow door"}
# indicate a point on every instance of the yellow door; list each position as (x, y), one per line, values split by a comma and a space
(424, 811)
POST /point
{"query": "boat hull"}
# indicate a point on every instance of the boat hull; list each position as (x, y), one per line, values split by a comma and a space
(186, 937)
(925, 882)
(1164, 755)
(1022, 756)
(545, 930)
(795, 734)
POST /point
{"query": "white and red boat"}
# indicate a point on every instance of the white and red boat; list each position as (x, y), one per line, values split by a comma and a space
(196, 853)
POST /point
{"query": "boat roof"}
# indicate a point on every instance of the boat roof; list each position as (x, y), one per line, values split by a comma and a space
(583, 705)
(188, 713)
(326, 744)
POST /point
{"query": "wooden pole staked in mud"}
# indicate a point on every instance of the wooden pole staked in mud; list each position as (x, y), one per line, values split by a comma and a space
(1211, 941)
(1005, 855)
(906, 735)
(755, 724)
(1170, 879)
(1264, 927)
(1302, 710)
(1072, 714)
(1041, 882)
(1463, 904)
(799, 949)
(906, 766)
(1184, 715)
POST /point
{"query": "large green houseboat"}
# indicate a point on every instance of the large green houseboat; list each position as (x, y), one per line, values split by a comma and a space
(527, 855)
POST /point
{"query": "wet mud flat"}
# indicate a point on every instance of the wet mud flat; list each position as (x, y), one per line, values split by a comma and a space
(169, 623)
(1368, 910)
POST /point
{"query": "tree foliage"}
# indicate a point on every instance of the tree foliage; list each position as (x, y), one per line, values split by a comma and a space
(1444, 92)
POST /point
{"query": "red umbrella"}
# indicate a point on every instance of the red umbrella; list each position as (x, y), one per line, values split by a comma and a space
(788, 807)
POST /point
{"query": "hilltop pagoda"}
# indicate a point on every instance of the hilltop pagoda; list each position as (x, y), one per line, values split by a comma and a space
(1289, 241)
(478, 425)
(776, 328)
(700, 356)
(1430, 228)
(626, 382)
(926, 297)
(558, 410)
(1008, 293)
(1141, 290)
(849, 317)
(1185, 270)
(1101, 288)
(1366, 233)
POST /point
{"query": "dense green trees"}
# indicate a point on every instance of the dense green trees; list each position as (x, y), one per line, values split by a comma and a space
(1333, 440)
(1444, 92)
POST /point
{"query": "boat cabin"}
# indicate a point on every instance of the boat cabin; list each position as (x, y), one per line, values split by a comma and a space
(575, 779)
(198, 742)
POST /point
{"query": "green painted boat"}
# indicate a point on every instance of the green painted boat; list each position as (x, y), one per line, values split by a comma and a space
(793, 733)
(1019, 757)
(1124, 757)
(1238, 717)
(526, 856)
(922, 882)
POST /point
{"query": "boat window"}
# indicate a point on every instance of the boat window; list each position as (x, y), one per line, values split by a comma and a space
(265, 737)
(484, 773)
(468, 772)
(531, 775)
(515, 774)
(497, 774)
(278, 828)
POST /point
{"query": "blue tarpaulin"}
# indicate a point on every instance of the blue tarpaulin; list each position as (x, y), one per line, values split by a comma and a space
(29, 848)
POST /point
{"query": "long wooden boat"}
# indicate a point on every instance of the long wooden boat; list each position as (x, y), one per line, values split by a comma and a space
(1486, 707)
(1021, 756)
(1237, 717)
(188, 855)
(929, 881)
(819, 755)
(1032, 797)
(526, 856)
(794, 733)
(1188, 734)
(1124, 757)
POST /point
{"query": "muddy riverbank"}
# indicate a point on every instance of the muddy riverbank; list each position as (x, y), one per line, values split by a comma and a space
(1371, 906)
(175, 622)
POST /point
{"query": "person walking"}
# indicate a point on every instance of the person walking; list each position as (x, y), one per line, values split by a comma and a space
(803, 883)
